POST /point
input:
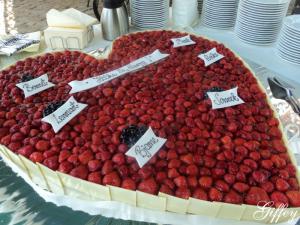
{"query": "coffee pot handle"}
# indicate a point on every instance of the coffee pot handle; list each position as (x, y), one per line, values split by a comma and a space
(95, 8)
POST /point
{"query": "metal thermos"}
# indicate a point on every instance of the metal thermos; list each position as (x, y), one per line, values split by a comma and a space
(114, 19)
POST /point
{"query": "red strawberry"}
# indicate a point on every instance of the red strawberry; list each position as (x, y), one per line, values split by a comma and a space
(26, 151)
(37, 157)
(129, 184)
(112, 179)
(294, 198)
(148, 186)
(180, 181)
(279, 198)
(79, 172)
(85, 157)
(256, 195)
(95, 177)
(233, 197)
(94, 165)
(215, 195)
(65, 167)
(205, 182)
(42, 145)
(183, 192)
(165, 189)
(200, 194)
(241, 187)
(282, 185)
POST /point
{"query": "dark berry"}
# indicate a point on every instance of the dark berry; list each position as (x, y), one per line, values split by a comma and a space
(132, 134)
(213, 89)
(52, 107)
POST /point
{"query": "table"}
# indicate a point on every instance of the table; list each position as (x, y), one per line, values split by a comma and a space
(19, 204)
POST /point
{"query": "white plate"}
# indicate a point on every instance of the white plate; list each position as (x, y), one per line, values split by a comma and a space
(218, 22)
(291, 39)
(288, 49)
(254, 28)
(293, 22)
(254, 7)
(288, 57)
(258, 25)
(255, 42)
(268, 2)
(260, 14)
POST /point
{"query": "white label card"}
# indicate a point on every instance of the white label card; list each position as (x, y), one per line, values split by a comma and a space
(225, 99)
(138, 64)
(211, 57)
(35, 86)
(64, 114)
(146, 147)
(183, 41)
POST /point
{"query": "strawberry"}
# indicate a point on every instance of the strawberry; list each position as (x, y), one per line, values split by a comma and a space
(205, 182)
(180, 181)
(279, 198)
(256, 196)
(95, 177)
(183, 192)
(294, 198)
(26, 151)
(94, 165)
(129, 184)
(241, 187)
(215, 195)
(282, 185)
(233, 198)
(165, 189)
(149, 186)
(65, 167)
(85, 157)
(112, 179)
(42, 145)
(36, 157)
(79, 172)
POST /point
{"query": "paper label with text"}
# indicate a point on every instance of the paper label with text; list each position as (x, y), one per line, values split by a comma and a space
(183, 41)
(225, 99)
(35, 85)
(64, 114)
(146, 147)
(138, 64)
(211, 57)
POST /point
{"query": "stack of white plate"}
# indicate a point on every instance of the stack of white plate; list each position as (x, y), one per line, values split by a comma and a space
(219, 14)
(200, 5)
(259, 21)
(149, 14)
(288, 45)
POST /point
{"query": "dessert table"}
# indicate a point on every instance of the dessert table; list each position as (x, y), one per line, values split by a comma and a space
(21, 205)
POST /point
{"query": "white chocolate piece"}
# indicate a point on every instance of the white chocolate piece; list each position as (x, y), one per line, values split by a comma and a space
(17, 161)
(149, 201)
(84, 190)
(200, 207)
(123, 195)
(175, 204)
(230, 211)
(53, 181)
(34, 173)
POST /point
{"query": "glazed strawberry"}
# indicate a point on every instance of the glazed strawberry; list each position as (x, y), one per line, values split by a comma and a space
(282, 185)
(36, 157)
(165, 189)
(294, 198)
(128, 184)
(256, 196)
(279, 198)
(183, 192)
(65, 167)
(26, 151)
(112, 179)
(205, 182)
(241, 187)
(148, 186)
(215, 195)
(95, 177)
(233, 197)
(94, 165)
(180, 181)
(42, 145)
(85, 157)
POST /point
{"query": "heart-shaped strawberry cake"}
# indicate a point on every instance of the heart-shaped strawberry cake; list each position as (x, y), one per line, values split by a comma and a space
(234, 155)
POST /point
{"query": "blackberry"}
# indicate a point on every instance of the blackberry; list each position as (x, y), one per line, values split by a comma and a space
(131, 134)
(52, 107)
(26, 77)
(213, 89)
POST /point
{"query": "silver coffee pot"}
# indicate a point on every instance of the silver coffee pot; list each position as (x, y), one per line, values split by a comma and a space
(114, 18)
